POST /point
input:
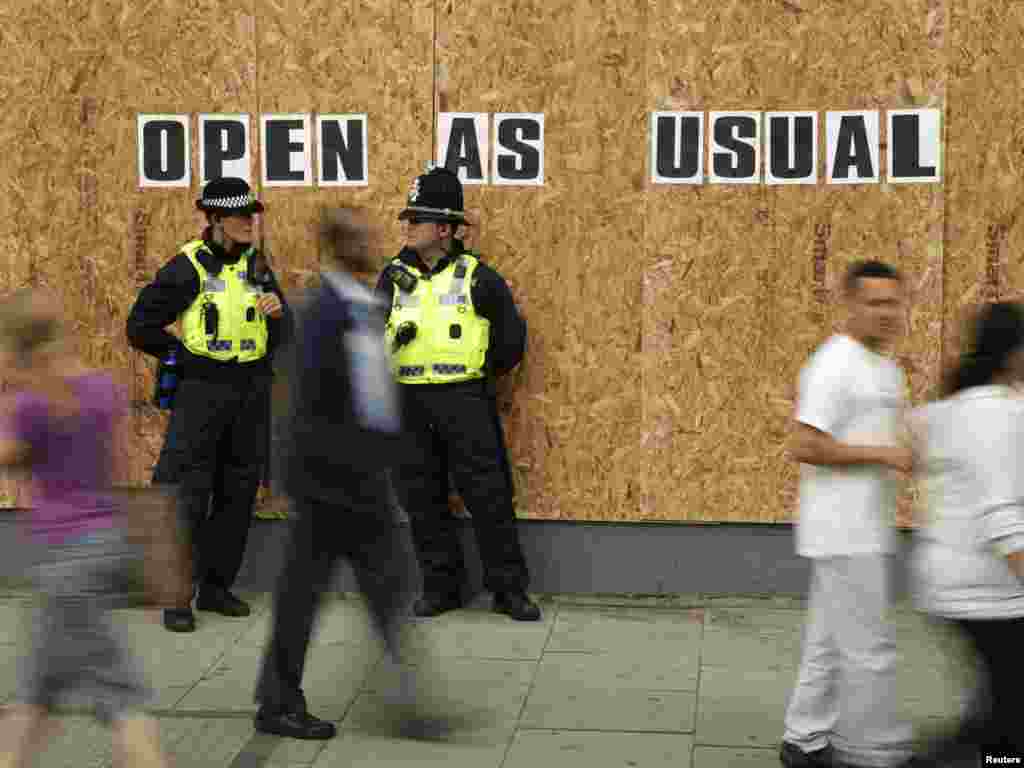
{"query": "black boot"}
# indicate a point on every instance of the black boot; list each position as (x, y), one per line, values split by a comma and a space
(295, 725)
(517, 605)
(219, 600)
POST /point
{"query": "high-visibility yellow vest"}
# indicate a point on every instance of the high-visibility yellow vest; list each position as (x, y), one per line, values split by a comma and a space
(241, 328)
(451, 338)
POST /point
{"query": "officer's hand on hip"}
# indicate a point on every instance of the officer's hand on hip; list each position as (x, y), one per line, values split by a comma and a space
(270, 305)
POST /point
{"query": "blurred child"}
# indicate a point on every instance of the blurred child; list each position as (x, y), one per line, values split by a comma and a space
(969, 561)
(60, 424)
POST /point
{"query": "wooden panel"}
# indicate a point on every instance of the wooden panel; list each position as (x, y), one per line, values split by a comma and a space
(809, 65)
(186, 59)
(570, 247)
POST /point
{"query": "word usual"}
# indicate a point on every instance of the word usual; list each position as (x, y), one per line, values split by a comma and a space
(340, 143)
(913, 149)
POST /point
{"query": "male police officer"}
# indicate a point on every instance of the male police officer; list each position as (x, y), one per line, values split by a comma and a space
(453, 327)
(233, 315)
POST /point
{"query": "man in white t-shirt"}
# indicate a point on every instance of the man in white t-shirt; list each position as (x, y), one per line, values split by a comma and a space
(847, 439)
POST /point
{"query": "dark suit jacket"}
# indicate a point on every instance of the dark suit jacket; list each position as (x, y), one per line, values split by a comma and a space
(342, 431)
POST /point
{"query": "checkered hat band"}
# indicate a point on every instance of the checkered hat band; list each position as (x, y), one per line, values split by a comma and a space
(440, 211)
(235, 201)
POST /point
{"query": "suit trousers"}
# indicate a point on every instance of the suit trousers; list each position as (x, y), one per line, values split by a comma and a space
(382, 556)
(845, 692)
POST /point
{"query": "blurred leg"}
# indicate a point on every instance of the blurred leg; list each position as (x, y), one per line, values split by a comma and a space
(312, 553)
(137, 743)
(22, 732)
(869, 731)
(998, 644)
(813, 708)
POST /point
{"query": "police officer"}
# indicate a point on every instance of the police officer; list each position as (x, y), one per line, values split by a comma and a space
(452, 328)
(232, 315)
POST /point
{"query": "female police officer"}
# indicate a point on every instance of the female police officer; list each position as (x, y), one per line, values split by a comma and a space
(233, 315)
(452, 328)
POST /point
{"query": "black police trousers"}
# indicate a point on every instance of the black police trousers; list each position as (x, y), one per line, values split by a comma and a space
(381, 553)
(215, 452)
(455, 428)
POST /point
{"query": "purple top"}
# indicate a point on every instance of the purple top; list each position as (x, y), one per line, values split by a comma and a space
(71, 460)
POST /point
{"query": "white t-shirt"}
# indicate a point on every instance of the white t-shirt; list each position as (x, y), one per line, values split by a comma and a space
(857, 396)
(972, 455)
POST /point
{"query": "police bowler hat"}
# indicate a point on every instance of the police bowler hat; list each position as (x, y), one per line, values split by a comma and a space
(435, 196)
(229, 196)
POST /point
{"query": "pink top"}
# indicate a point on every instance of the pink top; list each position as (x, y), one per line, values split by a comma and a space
(71, 459)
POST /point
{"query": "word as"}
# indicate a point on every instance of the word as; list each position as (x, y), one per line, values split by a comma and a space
(518, 156)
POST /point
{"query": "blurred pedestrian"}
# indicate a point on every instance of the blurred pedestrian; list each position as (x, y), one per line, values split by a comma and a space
(846, 438)
(61, 423)
(343, 429)
(968, 564)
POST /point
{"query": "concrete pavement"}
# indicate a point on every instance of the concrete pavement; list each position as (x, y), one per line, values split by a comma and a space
(687, 682)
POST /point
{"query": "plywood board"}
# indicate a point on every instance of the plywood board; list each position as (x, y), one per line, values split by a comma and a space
(186, 59)
(571, 248)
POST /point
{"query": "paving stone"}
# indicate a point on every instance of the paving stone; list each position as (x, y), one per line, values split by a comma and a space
(484, 635)
(762, 638)
(339, 621)
(662, 668)
(635, 630)
(333, 676)
(743, 707)
(204, 742)
(453, 671)
(592, 749)
(267, 751)
(727, 757)
(359, 750)
(557, 706)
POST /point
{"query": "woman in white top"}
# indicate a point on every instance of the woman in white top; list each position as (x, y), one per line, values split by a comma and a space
(969, 562)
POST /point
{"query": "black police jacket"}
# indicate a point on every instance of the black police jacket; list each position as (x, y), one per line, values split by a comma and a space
(492, 300)
(176, 286)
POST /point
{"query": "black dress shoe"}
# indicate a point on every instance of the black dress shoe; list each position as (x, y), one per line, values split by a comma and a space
(295, 725)
(517, 605)
(435, 605)
(221, 601)
(179, 620)
(793, 757)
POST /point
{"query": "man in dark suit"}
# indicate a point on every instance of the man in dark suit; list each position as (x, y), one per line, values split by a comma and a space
(342, 431)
